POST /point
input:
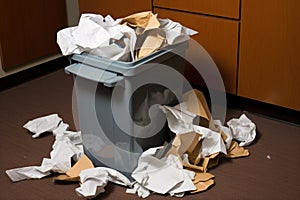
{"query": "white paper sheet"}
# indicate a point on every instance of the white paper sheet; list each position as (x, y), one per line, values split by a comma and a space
(98, 35)
(218, 125)
(175, 32)
(67, 145)
(242, 129)
(164, 175)
(181, 121)
(106, 38)
(94, 180)
(139, 190)
(212, 141)
(42, 124)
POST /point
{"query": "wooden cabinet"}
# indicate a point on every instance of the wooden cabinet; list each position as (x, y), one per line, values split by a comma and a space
(269, 61)
(28, 30)
(219, 36)
(115, 8)
(222, 8)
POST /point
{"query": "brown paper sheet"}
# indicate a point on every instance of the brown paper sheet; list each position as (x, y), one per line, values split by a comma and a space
(202, 186)
(146, 20)
(236, 151)
(73, 174)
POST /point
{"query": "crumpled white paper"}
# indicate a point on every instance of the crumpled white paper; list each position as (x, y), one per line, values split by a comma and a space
(218, 125)
(94, 180)
(164, 175)
(98, 35)
(242, 129)
(105, 37)
(42, 124)
(181, 121)
(67, 145)
(175, 32)
(212, 141)
(139, 190)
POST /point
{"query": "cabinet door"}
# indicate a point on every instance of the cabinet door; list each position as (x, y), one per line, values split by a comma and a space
(28, 30)
(269, 52)
(115, 8)
(218, 36)
(223, 8)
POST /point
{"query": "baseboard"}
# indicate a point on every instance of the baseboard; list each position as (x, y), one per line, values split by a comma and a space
(33, 72)
(257, 107)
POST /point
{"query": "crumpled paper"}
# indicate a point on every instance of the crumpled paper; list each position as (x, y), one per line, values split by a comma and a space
(68, 145)
(124, 39)
(243, 130)
(42, 124)
(139, 190)
(165, 175)
(175, 32)
(94, 180)
(99, 36)
(181, 121)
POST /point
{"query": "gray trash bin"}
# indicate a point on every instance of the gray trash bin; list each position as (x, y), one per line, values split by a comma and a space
(113, 100)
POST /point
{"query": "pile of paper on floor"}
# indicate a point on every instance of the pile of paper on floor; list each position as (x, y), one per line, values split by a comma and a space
(178, 167)
(198, 144)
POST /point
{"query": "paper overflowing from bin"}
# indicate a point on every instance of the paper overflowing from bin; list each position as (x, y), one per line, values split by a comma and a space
(125, 39)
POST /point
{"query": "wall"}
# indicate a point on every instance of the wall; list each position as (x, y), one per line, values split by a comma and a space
(72, 17)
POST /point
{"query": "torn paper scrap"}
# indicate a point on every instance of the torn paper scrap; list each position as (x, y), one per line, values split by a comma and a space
(139, 190)
(92, 183)
(42, 124)
(154, 40)
(185, 143)
(236, 151)
(179, 122)
(186, 185)
(31, 172)
(212, 141)
(94, 180)
(202, 181)
(225, 132)
(64, 178)
(100, 36)
(62, 127)
(146, 20)
(203, 185)
(60, 160)
(162, 176)
(175, 32)
(83, 163)
(242, 129)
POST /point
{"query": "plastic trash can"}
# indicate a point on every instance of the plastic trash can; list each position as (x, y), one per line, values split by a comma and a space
(113, 100)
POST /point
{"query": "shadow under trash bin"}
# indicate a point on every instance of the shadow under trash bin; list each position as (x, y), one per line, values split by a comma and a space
(117, 104)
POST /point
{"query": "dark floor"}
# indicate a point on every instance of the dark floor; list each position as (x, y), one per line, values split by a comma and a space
(253, 177)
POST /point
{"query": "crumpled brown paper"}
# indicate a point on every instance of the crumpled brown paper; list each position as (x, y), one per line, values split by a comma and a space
(189, 144)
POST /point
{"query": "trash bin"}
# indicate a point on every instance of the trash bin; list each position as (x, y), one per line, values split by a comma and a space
(113, 100)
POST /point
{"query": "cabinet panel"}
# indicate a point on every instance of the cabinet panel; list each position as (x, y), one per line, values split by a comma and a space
(218, 36)
(115, 8)
(28, 30)
(269, 52)
(224, 8)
